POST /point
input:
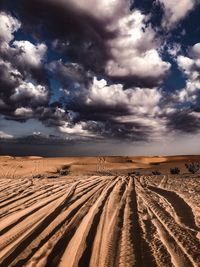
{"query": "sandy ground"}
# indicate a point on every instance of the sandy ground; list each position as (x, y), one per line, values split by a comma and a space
(98, 212)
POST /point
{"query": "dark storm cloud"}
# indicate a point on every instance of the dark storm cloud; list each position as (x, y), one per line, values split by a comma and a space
(16, 55)
(184, 122)
(124, 131)
(23, 79)
(98, 115)
(52, 116)
(110, 111)
(15, 92)
(75, 33)
(91, 33)
(67, 73)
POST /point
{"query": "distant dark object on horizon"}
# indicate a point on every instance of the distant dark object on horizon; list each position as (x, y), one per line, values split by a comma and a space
(175, 170)
(193, 167)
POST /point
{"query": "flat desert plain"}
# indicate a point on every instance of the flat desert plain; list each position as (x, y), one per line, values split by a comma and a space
(99, 212)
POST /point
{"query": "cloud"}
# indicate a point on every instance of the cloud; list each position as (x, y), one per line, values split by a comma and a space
(24, 112)
(105, 10)
(190, 65)
(23, 56)
(10, 78)
(5, 135)
(105, 37)
(176, 12)
(139, 114)
(134, 51)
(8, 26)
(78, 129)
(23, 81)
(2, 104)
(29, 54)
(52, 116)
(109, 110)
(110, 74)
(30, 94)
(174, 49)
(69, 72)
(114, 96)
(195, 51)
(16, 91)
(185, 121)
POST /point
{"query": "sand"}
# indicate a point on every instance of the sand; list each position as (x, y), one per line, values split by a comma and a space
(98, 212)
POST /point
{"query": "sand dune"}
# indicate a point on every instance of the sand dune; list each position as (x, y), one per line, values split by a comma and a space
(96, 220)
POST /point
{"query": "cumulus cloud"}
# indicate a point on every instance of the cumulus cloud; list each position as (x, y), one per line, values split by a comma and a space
(8, 26)
(32, 94)
(16, 91)
(133, 50)
(139, 114)
(78, 129)
(109, 110)
(175, 12)
(106, 37)
(52, 116)
(23, 85)
(28, 53)
(190, 65)
(24, 112)
(137, 99)
(195, 51)
(24, 56)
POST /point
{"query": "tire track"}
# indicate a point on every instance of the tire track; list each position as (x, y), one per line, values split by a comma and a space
(184, 238)
(95, 221)
(184, 212)
(127, 256)
(61, 225)
(71, 256)
(107, 232)
(46, 219)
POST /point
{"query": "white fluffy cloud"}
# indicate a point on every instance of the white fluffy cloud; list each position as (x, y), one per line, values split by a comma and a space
(136, 100)
(195, 51)
(134, 50)
(26, 52)
(78, 129)
(23, 112)
(174, 12)
(36, 94)
(191, 67)
(141, 106)
(29, 54)
(8, 25)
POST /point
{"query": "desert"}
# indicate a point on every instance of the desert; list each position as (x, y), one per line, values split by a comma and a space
(99, 133)
(99, 212)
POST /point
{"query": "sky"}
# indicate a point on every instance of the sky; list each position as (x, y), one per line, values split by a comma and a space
(115, 75)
